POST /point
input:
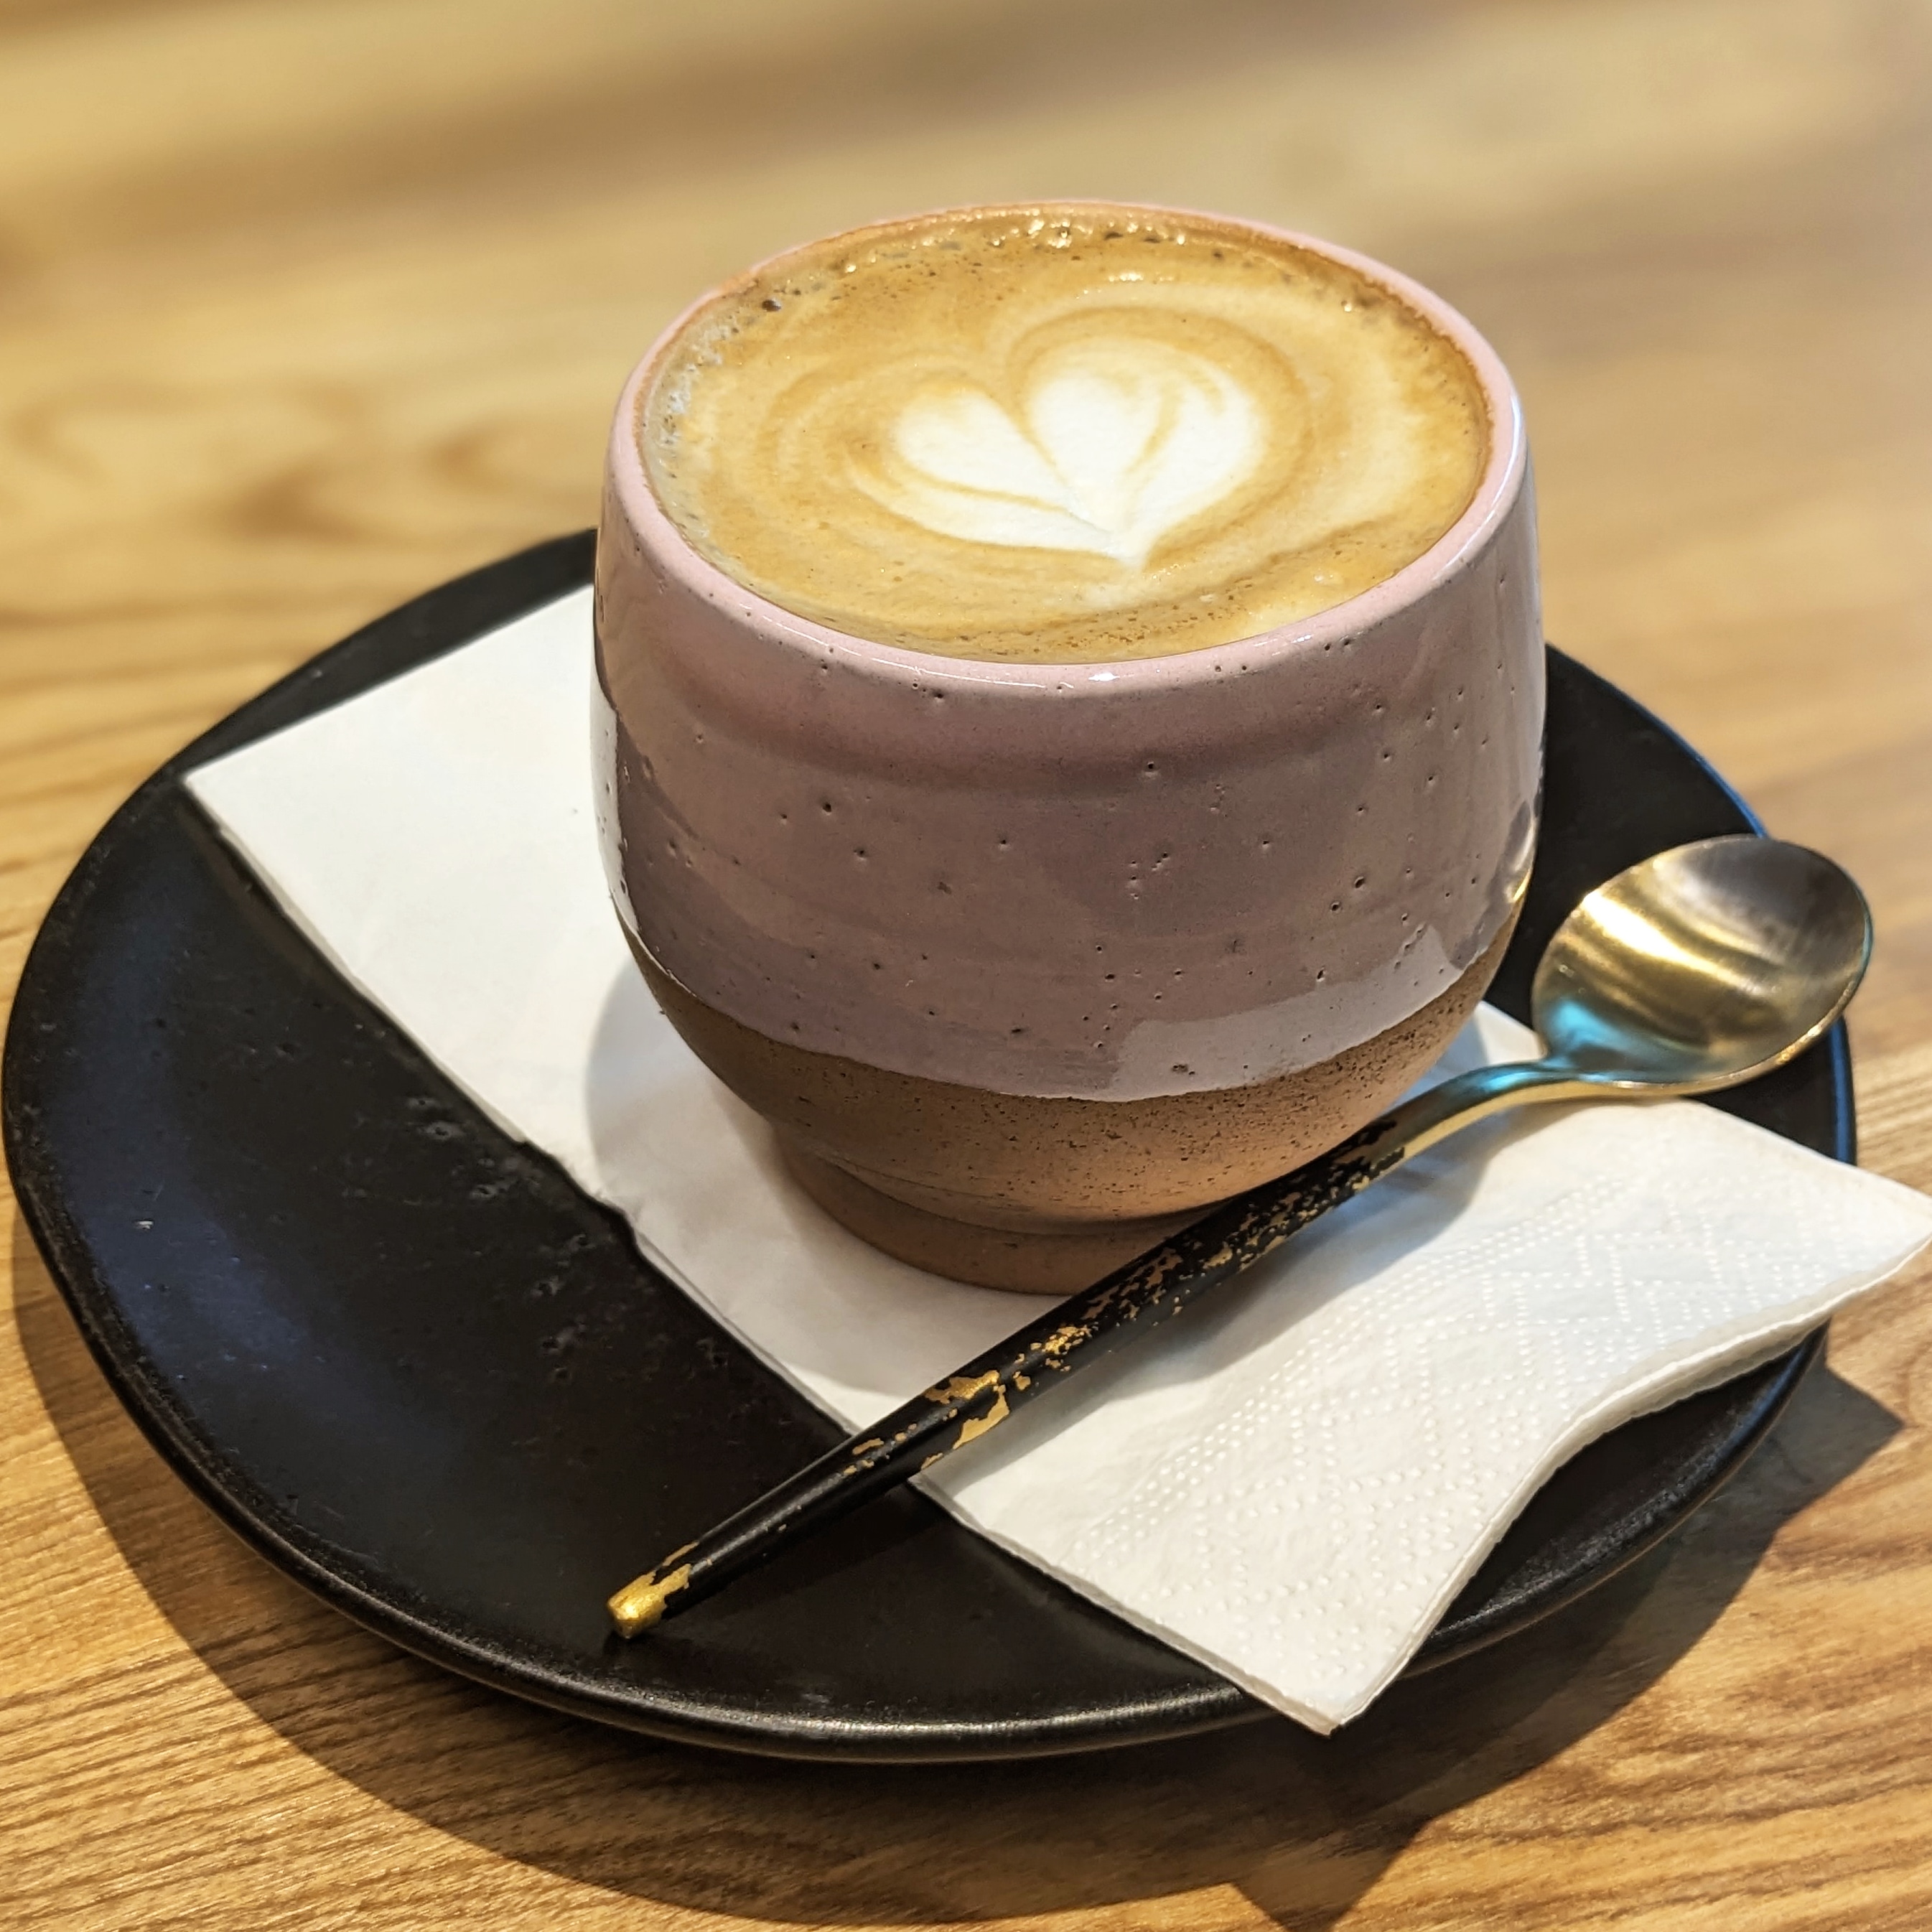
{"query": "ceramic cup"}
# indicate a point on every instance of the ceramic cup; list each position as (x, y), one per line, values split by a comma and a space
(1028, 963)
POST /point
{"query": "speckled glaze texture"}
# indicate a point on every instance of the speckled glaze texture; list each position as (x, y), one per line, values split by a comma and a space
(1107, 882)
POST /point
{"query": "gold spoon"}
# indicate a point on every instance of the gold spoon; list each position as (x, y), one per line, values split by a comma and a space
(1703, 966)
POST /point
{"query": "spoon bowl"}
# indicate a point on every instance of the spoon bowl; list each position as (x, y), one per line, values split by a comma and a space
(1700, 967)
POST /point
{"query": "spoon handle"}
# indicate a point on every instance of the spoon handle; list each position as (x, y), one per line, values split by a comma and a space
(1085, 1327)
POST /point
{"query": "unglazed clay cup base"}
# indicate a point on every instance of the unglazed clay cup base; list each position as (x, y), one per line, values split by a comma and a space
(1045, 1196)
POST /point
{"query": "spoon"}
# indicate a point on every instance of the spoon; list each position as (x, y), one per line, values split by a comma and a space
(1700, 967)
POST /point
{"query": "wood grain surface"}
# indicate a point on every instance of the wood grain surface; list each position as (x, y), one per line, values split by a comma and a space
(304, 307)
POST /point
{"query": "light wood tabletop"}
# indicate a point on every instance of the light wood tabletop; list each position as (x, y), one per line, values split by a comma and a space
(305, 308)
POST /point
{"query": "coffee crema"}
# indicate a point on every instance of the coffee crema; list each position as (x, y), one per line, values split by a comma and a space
(1063, 433)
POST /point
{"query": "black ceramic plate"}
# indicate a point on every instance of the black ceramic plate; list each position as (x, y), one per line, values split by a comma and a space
(415, 1368)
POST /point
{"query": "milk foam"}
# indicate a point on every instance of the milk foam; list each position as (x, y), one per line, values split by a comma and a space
(1060, 434)
(1118, 441)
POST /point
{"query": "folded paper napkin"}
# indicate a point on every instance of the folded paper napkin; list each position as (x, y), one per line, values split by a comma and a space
(1291, 1482)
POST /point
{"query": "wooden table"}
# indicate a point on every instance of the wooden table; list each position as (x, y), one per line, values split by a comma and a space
(303, 308)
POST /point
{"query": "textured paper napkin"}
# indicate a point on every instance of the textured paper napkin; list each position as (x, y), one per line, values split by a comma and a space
(1292, 1483)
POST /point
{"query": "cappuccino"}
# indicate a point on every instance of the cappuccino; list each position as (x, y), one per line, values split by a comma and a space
(1060, 434)
(1028, 964)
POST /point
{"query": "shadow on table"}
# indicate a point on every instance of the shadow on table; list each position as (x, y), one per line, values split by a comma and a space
(1300, 1825)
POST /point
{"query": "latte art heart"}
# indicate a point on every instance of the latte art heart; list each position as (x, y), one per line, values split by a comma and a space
(1061, 435)
(1117, 441)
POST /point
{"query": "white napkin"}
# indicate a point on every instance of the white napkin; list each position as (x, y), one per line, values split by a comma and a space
(1292, 1483)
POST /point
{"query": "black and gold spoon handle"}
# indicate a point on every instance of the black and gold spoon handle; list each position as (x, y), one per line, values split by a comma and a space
(981, 1396)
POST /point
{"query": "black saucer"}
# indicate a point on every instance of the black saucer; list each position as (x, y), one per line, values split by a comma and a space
(410, 1364)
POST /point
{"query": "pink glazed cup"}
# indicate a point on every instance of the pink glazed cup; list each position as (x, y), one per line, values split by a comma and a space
(1028, 965)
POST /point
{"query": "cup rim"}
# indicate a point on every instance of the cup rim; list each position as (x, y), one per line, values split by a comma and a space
(1496, 493)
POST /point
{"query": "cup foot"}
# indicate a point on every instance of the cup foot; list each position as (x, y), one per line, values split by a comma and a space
(1056, 1259)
